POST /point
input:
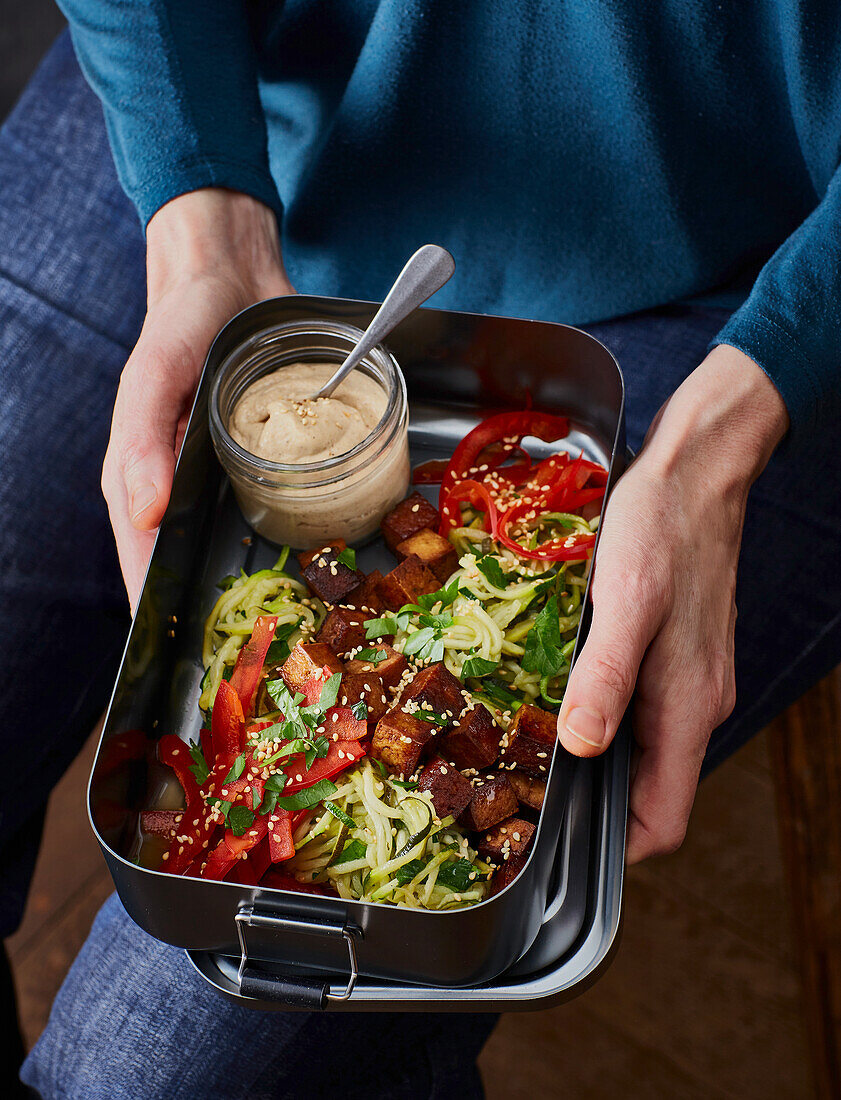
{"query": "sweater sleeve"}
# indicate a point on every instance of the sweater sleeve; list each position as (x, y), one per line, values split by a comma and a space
(790, 324)
(178, 84)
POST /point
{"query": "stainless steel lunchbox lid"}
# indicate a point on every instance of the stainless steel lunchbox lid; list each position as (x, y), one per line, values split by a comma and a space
(458, 367)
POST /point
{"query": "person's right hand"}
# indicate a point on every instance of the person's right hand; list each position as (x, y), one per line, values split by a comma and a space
(210, 254)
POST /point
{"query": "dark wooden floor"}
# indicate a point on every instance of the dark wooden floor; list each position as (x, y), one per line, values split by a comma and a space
(701, 1001)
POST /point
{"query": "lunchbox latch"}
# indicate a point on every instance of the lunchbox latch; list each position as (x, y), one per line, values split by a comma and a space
(293, 990)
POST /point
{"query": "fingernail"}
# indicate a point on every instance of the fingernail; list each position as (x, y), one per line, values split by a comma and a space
(587, 726)
(142, 499)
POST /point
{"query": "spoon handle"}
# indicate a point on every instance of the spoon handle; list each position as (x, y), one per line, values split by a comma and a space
(425, 272)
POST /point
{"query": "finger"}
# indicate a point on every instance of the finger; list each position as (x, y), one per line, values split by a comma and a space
(680, 700)
(627, 611)
(134, 548)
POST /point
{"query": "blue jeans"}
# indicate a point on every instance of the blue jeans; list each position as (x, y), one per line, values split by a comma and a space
(131, 1018)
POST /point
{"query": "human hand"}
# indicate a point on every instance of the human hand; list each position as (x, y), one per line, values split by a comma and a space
(210, 253)
(663, 591)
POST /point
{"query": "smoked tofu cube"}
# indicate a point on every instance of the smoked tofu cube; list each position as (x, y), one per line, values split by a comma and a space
(404, 584)
(400, 739)
(367, 596)
(474, 740)
(437, 553)
(410, 516)
(450, 791)
(366, 687)
(493, 800)
(390, 669)
(331, 580)
(343, 630)
(529, 791)
(305, 661)
(531, 740)
(435, 689)
(506, 874)
(509, 838)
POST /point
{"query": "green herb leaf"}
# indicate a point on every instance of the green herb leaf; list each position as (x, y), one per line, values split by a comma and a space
(406, 784)
(267, 807)
(490, 568)
(456, 875)
(256, 799)
(543, 643)
(355, 850)
(431, 716)
(199, 767)
(417, 641)
(445, 596)
(387, 624)
(372, 656)
(279, 649)
(380, 766)
(239, 819)
(308, 796)
(499, 691)
(220, 804)
(330, 692)
(408, 871)
(360, 710)
(347, 557)
(339, 813)
(478, 666)
(237, 769)
(276, 782)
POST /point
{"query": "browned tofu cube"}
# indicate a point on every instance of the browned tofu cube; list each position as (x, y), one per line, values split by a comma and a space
(367, 596)
(411, 515)
(331, 580)
(437, 553)
(305, 661)
(435, 689)
(506, 874)
(529, 791)
(390, 668)
(404, 584)
(400, 739)
(450, 791)
(509, 838)
(531, 740)
(474, 740)
(343, 630)
(493, 800)
(367, 687)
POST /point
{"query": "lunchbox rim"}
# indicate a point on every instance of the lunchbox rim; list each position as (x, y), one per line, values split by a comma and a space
(269, 894)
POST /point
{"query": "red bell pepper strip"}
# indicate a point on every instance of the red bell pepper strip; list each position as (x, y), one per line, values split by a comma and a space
(245, 678)
(340, 755)
(280, 836)
(477, 495)
(227, 725)
(341, 721)
(282, 880)
(507, 429)
(196, 826)
(174, 753)
(232, 848)
(248, 872)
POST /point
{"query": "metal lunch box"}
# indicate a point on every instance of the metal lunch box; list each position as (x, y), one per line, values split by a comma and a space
(277, 947)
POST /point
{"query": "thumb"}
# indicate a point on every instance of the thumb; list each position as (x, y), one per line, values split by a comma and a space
(146, 416)
(603, 678)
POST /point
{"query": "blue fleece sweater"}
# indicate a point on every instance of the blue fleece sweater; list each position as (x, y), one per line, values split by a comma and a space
(581, 158)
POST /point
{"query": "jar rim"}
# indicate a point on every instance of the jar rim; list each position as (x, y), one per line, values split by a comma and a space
(396, 399)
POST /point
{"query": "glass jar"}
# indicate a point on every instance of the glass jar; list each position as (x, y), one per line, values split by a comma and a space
(309, 504)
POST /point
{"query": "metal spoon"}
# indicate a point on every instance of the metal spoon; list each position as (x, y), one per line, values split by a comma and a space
(425, 272)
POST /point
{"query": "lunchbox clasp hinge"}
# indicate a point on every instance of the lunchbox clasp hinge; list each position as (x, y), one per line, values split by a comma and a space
(303, 992)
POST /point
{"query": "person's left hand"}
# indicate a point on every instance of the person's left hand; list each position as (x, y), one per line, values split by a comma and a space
(664, 591)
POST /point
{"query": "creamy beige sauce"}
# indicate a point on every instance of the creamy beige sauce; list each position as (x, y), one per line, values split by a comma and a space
(276, 420)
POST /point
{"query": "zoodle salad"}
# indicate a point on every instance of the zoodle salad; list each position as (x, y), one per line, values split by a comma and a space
(387, 738)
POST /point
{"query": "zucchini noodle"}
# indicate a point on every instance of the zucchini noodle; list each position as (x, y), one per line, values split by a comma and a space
(392, 827)
(493, 622)
(230, 623)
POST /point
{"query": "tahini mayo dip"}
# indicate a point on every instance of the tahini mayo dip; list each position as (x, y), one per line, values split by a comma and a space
(276, 420)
